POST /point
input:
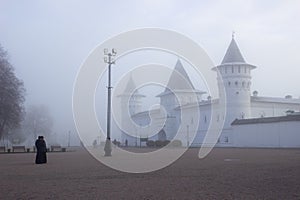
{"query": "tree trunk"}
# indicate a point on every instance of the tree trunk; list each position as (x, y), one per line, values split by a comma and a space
(2, 125)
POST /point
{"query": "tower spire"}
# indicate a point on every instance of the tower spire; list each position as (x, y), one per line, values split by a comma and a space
(176, 79)
(233, 53)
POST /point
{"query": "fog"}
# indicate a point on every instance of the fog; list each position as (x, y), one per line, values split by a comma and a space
(49, 40)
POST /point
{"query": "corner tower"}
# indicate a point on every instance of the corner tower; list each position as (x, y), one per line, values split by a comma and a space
(132, 103)
(132, 100)
(234, 74)
(179, 83)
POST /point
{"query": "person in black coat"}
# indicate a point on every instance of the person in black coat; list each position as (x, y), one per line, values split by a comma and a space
(41, 150)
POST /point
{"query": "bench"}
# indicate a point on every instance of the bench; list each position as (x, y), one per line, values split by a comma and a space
(18, 149)
(2, 149)
(56, 148)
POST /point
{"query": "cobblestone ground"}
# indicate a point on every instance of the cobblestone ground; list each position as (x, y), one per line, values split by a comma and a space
(226, 173)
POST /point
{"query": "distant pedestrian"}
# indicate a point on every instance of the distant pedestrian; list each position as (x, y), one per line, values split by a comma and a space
(41, 150)
(95, 143)
(126, 143)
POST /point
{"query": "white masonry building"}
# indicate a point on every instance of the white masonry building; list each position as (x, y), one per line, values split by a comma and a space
(250, 120)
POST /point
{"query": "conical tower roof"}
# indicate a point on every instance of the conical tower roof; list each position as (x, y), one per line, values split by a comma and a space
(130, 86)
(176, 79)
(233, 54)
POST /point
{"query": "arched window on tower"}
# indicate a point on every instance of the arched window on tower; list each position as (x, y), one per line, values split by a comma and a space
(236, 83)
(232, 69)
(243, 83)
(226, 139)
(229, 83)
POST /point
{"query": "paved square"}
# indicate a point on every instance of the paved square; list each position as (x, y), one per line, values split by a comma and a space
(226, 173)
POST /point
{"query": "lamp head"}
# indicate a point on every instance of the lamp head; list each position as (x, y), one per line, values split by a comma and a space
(105, 51)
(114, 51)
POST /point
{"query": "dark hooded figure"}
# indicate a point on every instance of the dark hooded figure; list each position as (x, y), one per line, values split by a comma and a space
(41, 150)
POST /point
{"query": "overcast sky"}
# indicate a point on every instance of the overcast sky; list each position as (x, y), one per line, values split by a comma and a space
(48, 40)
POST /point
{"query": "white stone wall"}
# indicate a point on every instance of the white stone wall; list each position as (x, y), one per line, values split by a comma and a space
(269, 109)
(279, 134)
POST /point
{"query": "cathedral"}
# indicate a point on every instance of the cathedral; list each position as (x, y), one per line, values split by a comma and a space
(250, 120)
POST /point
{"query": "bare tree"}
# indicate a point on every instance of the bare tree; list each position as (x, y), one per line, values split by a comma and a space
(11, 96)
(17, 136)
(38, 121)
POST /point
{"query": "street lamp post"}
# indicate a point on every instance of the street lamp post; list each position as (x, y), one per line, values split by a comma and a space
(187, 136)
(69, 138)
(34, 130)
(109, 60)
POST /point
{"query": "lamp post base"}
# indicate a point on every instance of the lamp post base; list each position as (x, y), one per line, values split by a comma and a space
(107, 148)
